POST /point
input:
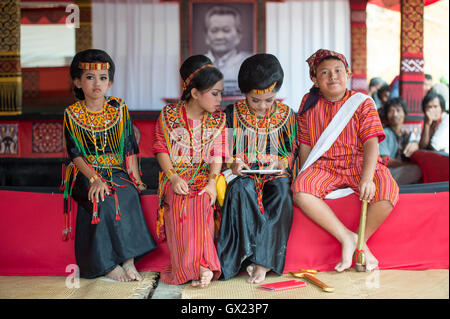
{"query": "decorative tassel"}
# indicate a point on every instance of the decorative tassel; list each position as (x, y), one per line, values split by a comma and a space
(261, 207)
(259, 186)
(66, 226)
(66, 230)
(95, 218)
(116, 203)
(217, 221)
(63, 178)
(160, 234)
(66, 188)
(65, 234)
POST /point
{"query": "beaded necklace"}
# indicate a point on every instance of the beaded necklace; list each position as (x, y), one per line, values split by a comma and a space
(192, 181)
(92, 129)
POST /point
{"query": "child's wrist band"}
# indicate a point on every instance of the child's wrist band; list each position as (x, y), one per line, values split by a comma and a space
(212, 176)
(170, 172)
(93, 178)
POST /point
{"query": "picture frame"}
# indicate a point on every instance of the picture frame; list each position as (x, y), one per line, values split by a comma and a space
(227, 33)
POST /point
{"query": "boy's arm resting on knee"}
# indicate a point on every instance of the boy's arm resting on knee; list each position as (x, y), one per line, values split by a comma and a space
(304, 153)
(370, 158)
(366, 185)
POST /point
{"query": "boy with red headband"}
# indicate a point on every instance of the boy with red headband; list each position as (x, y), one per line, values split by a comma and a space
(333, 157)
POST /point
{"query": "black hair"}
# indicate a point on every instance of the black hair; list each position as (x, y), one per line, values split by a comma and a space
(203, 80)
(259, 72)
(375, 81)
(428, 76)
(397, 101)
(383, 88)
(431, 96)
(90, 56)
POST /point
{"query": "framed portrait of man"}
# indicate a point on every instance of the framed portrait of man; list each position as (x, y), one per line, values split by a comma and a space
(224, 31)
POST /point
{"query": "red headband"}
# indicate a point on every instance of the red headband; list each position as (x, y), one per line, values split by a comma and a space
(190, 77)
(315, 59)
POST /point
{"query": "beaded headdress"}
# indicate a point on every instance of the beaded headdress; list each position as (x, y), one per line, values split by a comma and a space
(94, 65)
(191, 76)
(267, 90)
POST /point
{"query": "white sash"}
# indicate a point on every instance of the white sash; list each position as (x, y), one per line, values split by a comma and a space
(331, 133)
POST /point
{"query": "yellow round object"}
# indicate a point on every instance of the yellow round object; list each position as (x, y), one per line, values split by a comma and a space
(221, 186)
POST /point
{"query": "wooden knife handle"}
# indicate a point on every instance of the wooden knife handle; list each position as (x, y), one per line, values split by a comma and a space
(317, 282)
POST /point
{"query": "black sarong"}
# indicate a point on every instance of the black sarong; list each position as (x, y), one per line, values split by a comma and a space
(99, 248)
(246, 235)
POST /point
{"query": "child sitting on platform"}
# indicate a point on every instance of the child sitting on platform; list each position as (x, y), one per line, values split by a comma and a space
(189, 146)
(350, 159)
(111, 232)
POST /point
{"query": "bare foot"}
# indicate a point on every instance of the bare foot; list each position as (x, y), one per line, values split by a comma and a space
(205, 276)
(259, 274)
(251, 270)
(131, 270)
(371, 261)
(348, 248)
(118, 274)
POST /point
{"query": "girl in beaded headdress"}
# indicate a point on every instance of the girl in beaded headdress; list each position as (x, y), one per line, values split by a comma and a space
(189, 146)
(103, 176)
(257, 211)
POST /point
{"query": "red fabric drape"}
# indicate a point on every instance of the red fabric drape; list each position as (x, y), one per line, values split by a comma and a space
(434, 165)
(395, 4)
(415, 235)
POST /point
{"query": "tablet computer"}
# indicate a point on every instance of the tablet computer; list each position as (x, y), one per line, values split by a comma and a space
(261, 171)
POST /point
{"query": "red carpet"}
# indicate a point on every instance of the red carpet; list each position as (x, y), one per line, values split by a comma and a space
(415, 235)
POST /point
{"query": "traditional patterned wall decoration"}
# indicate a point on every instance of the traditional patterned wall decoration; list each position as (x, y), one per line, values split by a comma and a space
(10, 74)
(54, 15)
(9, 139)
(411, 64)
(358, 45)
(30, 84)
(27, 137)
(83, 34)
(47, 137)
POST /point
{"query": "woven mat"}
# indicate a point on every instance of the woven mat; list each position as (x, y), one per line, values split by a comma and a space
(379, 284)
(40, 287)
